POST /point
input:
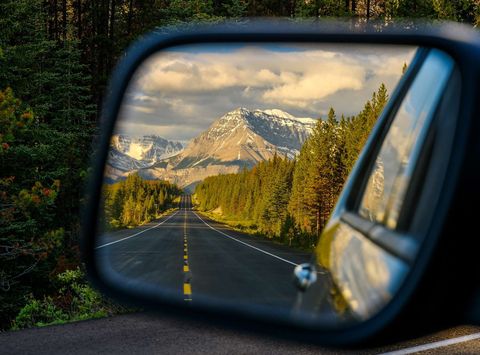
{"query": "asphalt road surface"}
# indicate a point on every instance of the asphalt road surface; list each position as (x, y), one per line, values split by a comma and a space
(148, 334)
(193, 255)
(189, 254)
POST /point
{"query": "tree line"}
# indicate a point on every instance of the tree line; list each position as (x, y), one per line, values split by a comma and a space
(291, 200)
(135, 201)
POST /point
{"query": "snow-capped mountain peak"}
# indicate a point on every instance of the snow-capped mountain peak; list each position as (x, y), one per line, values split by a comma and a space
(128, 153)
(239, 138)
(250, 136)
(149, 148)
(259, 121)
(277, 113)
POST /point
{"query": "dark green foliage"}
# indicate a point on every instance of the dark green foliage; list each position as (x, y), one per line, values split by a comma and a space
(75, 300)
(325, 162)
(135, 201)
(391, 10)
(35, 235)
(45, 135)
(259, 195)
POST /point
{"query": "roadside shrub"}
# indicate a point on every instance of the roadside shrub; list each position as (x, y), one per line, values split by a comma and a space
(74, 300)
(37, 313)
(78, 299)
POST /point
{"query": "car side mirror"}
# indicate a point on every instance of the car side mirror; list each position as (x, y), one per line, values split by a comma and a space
(248, 174)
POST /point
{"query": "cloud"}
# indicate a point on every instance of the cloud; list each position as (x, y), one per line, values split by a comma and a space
(388, 66)
(191, 88)
(142, 109)
(217, 74)
(173, 131)
(270, 70)
(143, 98)
(135, 103)
(315, 86)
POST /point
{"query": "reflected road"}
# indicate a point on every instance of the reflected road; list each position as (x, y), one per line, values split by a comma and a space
(190, 254)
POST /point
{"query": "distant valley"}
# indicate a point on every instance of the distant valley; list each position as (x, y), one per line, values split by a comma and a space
(239, 139)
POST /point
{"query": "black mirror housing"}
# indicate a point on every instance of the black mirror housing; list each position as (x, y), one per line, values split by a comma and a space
(442, 290)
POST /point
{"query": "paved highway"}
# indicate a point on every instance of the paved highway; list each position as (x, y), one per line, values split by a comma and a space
(148, 334)
(193, 255)
(185, 248)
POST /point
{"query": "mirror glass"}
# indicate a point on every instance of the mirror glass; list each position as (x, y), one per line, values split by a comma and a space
(225, 165)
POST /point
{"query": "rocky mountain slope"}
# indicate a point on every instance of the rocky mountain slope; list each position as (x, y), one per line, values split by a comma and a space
(128, 154)
(240, 138)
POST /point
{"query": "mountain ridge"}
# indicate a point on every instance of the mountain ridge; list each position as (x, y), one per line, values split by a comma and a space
(241, 138)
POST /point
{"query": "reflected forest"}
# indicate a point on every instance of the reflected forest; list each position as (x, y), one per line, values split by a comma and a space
(135, 201)
(290, 200)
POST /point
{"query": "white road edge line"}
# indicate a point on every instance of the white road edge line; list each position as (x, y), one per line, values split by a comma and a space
(435, 345)
(248, 245)
(134, 235)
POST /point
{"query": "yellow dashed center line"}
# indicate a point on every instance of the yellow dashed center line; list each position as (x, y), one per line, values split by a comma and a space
(187, 287)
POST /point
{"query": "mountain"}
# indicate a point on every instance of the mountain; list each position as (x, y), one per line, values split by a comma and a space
(132, 153)
(240, 138)
(246, 137)
(148, 148)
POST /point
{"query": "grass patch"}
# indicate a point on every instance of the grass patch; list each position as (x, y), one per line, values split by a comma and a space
(166, 212)
(239, 225)
(251, 228)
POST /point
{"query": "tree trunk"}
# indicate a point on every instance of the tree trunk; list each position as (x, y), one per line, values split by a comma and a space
(64, 20)
(319, 214)
(55, 19)
(368, 10)
(79, 19)
(112, 20)
(130, 17)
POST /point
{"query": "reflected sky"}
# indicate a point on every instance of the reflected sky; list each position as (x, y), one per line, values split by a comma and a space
(178, 93)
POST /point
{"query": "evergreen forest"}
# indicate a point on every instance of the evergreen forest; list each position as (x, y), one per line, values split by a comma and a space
(134, 201)
(290, 201)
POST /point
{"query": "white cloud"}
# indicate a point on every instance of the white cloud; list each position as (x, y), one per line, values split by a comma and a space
(172, 131)
(315, 85)
(138, 108)
(204, 76)
(388, 66)
(143, 98)
(192, 88)
(255, 68)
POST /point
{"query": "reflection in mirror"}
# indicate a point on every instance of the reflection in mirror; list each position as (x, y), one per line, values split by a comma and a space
(386, 188)
(225, 165)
